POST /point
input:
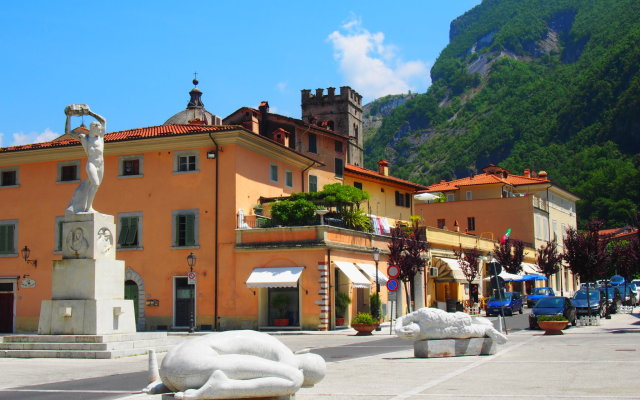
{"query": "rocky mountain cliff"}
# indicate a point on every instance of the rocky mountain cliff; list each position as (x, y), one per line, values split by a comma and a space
(548, 85)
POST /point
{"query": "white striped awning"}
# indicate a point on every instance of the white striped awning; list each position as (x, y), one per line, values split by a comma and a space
(275, 277)
(370, 271)
(528, 268)
(449, 270)
(357, 279)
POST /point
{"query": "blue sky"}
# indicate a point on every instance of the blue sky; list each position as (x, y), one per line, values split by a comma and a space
(133, 62)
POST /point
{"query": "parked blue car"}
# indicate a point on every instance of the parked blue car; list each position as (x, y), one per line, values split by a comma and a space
(537, 294)
(512, 302)
(595, 302)
(552, 305)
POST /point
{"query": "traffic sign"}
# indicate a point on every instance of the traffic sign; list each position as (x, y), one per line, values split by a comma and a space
(494, 268)
(393, 271)
(497, 282)
(392, 285)
(191, 278)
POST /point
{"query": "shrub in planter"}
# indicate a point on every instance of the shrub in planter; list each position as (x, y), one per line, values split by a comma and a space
(552, 324)
(342, 302)
(280, 302)
(552, 318)
(364, 323)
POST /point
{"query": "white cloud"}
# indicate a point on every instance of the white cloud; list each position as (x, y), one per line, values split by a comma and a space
(372, 67)
(20, 138)
(1, 136)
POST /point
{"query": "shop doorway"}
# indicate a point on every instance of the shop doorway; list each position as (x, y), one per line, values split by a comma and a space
(7, 307)
(131, 292)
(182, 303)
(284, 307)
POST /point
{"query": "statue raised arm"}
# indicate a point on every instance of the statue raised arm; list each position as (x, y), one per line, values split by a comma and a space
(93, 144)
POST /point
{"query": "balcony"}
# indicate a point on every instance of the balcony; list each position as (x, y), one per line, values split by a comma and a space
(307, 236)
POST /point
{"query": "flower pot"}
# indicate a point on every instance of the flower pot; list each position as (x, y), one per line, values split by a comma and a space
(553, 327)
(281, 321)
(339, 321)
(364, 329)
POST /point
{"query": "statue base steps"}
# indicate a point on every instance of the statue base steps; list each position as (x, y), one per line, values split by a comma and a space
(84, 346)
(434, 348)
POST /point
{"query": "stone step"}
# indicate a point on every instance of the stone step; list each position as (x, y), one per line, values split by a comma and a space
(78, 354)
(83, 338)
(84, 346)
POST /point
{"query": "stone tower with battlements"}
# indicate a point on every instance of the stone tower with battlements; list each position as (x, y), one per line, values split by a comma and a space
(341, 113)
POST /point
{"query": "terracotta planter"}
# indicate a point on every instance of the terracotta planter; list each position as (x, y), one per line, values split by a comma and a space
(364, 329)
(281, 321)
(553, 327)
(339, 321)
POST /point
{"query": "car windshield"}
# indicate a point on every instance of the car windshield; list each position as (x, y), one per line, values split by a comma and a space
(582, 295)
(505, 297)
(550, 302)
(610, 292)
(541, 290)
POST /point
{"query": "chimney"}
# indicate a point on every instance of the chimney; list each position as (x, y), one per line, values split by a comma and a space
(383, 167)
(264, 110)
(543, 175)
(443, 181)
(527, 173)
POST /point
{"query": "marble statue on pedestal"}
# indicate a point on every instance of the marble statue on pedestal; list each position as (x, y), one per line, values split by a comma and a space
(93, 144)
(235, 364)
(87, 284)
(433, 323)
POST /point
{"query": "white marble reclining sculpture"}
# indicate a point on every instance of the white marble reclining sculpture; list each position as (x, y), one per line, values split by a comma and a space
(433, 323)
(234, 364)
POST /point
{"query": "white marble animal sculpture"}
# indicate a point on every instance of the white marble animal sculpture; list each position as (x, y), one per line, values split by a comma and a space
(433, 323)
(234, 364)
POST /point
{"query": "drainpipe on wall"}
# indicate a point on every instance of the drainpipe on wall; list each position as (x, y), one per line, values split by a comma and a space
(329, 311)
(216, 325)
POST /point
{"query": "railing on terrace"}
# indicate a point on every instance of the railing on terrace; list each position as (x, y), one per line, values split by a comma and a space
(259, 221)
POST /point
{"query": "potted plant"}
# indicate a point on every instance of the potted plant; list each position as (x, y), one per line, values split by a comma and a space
(364, 323)
(552, 324)
(342, 302)
(280, 302)
(257, 209)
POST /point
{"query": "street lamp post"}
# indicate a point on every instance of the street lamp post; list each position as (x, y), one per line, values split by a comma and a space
(376, 258)
(191, 261)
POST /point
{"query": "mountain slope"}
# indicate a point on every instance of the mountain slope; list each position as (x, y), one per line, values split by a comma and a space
(548, 85)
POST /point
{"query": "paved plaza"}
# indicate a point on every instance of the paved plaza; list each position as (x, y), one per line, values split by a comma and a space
(595, 362)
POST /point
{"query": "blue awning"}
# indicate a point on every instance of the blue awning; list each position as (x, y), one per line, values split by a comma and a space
(531, 277)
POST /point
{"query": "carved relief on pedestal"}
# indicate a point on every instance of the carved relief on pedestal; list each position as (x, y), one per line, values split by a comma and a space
(105, 240)
(77, 241)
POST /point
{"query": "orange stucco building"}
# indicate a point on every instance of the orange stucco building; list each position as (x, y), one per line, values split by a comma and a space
(190, 187)
(486, 205)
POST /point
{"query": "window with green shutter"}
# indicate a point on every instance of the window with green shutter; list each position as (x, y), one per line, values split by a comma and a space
(7, 236)
(185, 230)
(313, 183)
(128, 232)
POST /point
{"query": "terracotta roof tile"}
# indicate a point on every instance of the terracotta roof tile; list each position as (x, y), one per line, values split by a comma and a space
(484, 179)
(374, 174)
(131, 134)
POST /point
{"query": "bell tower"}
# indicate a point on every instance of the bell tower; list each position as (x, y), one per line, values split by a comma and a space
(342, 113)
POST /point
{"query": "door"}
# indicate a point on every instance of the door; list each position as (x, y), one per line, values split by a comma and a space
(183, 297)
(6, 312)
(362, 301)
(131, 293)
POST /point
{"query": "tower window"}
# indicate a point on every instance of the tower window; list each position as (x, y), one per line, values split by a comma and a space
(313, 143)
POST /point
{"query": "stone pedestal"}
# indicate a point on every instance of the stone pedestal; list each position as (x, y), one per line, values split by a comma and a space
(87, 285)
(432, 348)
